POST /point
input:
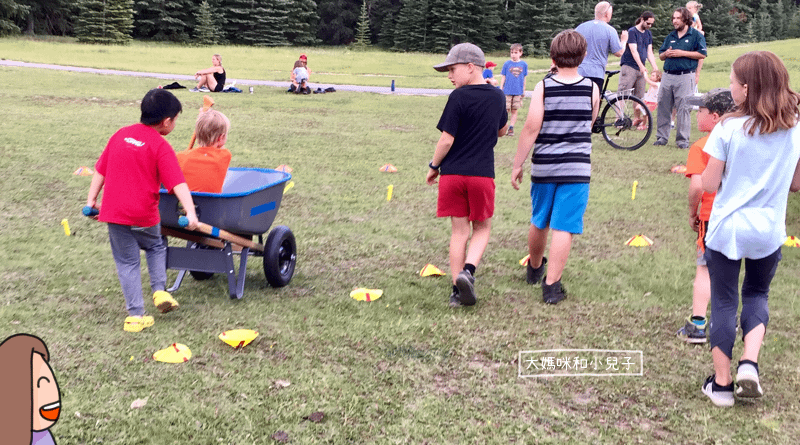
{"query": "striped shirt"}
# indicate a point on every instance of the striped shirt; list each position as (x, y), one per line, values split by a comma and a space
(564, 146)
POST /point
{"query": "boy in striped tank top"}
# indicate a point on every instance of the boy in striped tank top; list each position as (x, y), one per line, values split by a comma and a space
(559, 129)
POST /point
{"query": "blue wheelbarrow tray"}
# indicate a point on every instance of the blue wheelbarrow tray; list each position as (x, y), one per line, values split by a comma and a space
(246, 207)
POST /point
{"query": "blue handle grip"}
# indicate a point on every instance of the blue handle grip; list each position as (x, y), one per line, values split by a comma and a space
(90, 211)
(183, 221)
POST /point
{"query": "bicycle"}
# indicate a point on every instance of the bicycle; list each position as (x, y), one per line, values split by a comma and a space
(618, 122)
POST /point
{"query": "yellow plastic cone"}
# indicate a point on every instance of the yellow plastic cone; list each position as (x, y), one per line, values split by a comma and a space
(174, 353)
(524, 261)
(389, 168)
(639, 241)
(431, 270)
(792, 241)
(238, 338)
(362, 294)
(289, 186)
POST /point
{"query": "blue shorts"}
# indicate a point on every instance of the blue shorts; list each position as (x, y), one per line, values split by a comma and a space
(559, 206)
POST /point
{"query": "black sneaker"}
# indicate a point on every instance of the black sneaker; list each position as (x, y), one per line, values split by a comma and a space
(719, 395)
(454, 300)
(748, 385)
(660, 141)
(535, 275)
(692, 333)
(465, 283)
(510, 131)
(552, 293)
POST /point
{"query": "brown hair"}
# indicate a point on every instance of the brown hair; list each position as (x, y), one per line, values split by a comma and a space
(516, 46)
(568, 49)
(770, 103)
(299, 64)
(210, 126)
(686, 16)
(16, 386)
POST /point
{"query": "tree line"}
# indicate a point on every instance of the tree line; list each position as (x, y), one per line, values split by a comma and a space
(400, 25)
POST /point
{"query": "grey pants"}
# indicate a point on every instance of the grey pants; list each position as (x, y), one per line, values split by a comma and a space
(672, 94)
(724, 274)
(126, 241)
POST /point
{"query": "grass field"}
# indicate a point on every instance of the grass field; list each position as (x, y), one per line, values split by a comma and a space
(405, 368)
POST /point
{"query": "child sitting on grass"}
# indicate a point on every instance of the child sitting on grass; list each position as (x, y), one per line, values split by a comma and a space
(205, 167)
(135, 162)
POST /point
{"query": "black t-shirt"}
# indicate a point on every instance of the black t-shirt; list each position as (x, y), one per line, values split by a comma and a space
(473, 115)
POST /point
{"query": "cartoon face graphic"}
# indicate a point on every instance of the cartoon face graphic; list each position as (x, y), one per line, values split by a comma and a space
(46, 396)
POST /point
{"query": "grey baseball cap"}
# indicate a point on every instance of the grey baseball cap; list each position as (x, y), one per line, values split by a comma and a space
(462, 53)
(718, 100)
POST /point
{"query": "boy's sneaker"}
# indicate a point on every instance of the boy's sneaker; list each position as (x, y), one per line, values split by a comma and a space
(719, 395)
(552, 293)
(692, 333)
(747, 383)
(465, 283)
(534, 276)
(510, 131)
(164, 301)
(136, 324)
(454, 300)
(204, 90)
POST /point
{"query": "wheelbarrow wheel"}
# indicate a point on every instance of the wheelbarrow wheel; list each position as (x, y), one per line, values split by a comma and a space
(280, 256)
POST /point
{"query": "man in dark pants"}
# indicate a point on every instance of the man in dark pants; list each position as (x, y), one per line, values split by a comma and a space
(680, 52)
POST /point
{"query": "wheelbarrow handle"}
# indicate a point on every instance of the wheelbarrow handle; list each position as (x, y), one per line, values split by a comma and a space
(90, 211)
(222, 234)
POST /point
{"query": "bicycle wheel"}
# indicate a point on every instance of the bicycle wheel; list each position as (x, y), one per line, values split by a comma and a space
(620, 126)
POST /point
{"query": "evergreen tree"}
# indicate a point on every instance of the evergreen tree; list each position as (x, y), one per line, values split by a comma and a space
(104, 21)
(443, 22)
(238, 19)
(383, 15)
(270, 20)
(170, 20)
(206, 27)
(303, 21)
(363, 35)
(338, 20)
(725, 20)
(10, 11)
(52, 17)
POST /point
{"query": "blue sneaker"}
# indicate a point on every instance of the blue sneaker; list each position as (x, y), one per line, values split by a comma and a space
(692, 333)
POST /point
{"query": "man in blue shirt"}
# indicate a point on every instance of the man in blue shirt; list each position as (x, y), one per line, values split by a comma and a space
(681, 51)
(638, 51)
(601, 40)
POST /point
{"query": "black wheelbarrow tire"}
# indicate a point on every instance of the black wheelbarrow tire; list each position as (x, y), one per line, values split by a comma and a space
(280, 256)
(198, 275)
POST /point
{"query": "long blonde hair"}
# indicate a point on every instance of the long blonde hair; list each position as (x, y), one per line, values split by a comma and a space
(770, 103)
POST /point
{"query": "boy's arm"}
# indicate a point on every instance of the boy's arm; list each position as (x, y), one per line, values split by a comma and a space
(795, 186)
(533, 124)
(695, 194)
(442, 148)
(94, 189)
(502, 81)
(595, 101)
(185, 197)
(712, 175)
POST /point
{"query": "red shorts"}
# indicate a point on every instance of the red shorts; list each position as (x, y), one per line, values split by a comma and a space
(465, 196)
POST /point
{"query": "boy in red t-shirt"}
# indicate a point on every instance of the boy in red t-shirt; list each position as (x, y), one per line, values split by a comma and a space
(205, 167)
(135, 162)
(712, 106)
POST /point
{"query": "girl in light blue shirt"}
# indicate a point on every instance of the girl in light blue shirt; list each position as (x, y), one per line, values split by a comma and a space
(753, 166)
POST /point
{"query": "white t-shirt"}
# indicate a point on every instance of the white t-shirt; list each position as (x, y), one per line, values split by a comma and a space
(749, 215)
(652, 93)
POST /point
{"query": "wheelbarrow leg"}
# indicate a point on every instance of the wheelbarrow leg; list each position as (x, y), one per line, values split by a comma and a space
(236, 283)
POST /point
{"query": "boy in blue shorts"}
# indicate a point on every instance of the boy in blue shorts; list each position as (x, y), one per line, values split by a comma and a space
(473, 119)
(559, 122)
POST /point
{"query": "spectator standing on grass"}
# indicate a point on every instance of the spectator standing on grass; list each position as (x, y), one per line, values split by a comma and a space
(753, 164)
(638, 51)
(601, 40)
(681, 51)
(512, 82)
(712, 106)
(472, 120)
(559, 128)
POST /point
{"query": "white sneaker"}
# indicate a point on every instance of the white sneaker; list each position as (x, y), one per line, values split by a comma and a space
(747, 383)
(719, 395)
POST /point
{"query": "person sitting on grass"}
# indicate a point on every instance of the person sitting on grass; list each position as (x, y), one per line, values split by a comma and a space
(299, 77)
(131, 169)
(212, 78)
(205, 167)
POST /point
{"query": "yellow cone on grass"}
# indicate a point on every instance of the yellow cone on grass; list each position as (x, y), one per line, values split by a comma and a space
(238, 338)
(362, 294)
(431, 270)
(639, 241)
(174, 353)
(792, 241)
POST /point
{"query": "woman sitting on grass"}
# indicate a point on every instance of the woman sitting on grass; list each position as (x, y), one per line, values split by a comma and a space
(212, 78)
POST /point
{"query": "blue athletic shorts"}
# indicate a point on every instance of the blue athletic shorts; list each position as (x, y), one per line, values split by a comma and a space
(559, 206)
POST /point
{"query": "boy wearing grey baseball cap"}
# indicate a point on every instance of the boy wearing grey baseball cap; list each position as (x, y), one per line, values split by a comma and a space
(474, 117)
(713, 105)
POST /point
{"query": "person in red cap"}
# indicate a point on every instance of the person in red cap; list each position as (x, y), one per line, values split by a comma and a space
(488, 73)
(304, 59)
